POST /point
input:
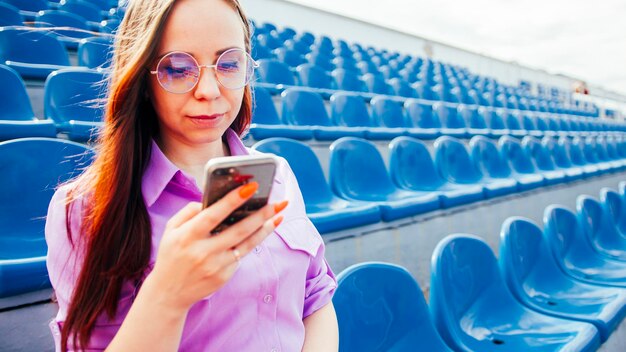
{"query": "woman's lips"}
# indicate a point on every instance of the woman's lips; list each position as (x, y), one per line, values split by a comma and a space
(207, 120)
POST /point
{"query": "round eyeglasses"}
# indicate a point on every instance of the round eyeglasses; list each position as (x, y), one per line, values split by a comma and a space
(179, 72)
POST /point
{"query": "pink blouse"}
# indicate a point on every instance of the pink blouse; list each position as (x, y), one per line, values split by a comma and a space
(283, 280)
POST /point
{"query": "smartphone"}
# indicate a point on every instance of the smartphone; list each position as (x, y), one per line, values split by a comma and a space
(223, 174)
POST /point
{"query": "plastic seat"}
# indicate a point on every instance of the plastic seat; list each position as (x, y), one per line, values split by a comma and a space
(95, 52)
(31, 168)
(29, 8)
(412, 168)
(475, 120)
(321, 59)
(316, 78)
(543, 160)
(401, 88)
(17, 119)
(452, 124)
(599, 227)
(419, 115)
(10, 15)
(273, 75)
(474, 310)
(535, 279)
(327, 212)
(380, 307)
(604, 157)
(85, 9)
(350, 110)
(348, 80)
(494, 167)
(573, 251)
(58, 18)
(495, 122)
(388, 115)
(266, 123)
(575, 151)
(375, 83)
(512, 121)
(455, 165)
(529, 124)
(561, 157)
(33, 54)
(73, 99)
(596, 155)
(358, 172)
(522, 166)
(290, 57)
(305, 108)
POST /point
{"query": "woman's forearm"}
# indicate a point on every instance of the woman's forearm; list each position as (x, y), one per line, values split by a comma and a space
(149, 325)
(321, 331)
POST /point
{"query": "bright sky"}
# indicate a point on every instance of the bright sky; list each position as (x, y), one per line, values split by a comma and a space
(579, 38)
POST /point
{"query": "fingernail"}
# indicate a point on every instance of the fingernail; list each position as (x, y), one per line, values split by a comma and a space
(248, 190)
(280, 206)
(278, 220)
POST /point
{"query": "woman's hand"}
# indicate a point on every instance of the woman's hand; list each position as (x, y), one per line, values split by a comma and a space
(191, 264)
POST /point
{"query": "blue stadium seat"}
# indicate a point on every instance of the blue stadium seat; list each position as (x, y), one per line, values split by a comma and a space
(473, 309)
(297, 45)
(29, 8)
(401, 88)
(95, 52)
(10, 15)
(380, 307)
(574, 253)
(58, 18)
(30, 168)
(269, 41)
(494, 121)
(455, 165)
(474, 120)
(388, 114)
(74, 100)
(543, 160)
(528, 124)
(599, 228)
(412, 167)
(17, 119)
(259, 51)
(561, 157)
(419, 114)
(84, 9)
(596, 154)
(301, 107)
(348, 80)
(350, 110)
(327, 212)
(273, 75)
(358, 172)
(317, 79)
(265, 120)
(322, 60)
(495, 168)
(574, 149)
(452, 124)
(522, 166)
(535, 279)
(376, 84)
(33, 54)
(291, 57)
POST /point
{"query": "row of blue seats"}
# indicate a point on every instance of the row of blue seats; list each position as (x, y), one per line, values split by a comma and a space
(72, 105)
(304, 116)
(361, 190)
(91, 10)
(553, 290)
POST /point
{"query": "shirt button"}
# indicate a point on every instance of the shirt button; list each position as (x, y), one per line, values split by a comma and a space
(257, 249)
(267, 298)
(274, 350)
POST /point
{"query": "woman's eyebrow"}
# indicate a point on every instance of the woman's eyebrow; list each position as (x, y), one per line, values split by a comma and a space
(217, 53)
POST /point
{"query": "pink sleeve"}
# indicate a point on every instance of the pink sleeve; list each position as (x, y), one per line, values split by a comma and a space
(320, 283)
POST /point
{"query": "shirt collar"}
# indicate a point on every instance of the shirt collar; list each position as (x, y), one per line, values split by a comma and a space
(161, 170)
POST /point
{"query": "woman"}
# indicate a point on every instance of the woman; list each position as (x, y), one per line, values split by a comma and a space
(130, 258)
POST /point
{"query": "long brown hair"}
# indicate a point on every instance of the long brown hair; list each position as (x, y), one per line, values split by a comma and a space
(115, 232)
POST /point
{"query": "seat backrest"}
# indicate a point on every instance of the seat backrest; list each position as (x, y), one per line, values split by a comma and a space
(454, 162)
(33, 47)
(574, 148)
(380, 307)
(387, 112)
(263, 109)
(349, 109)
(95, 52)
(472, 116)
(420, 114)
(464, 271)
(559, 152)
(276, 72)
(291, 57)
(493, 118)
(513, 121)
(542, 124)
(614, 205)
(84, 9)
(376, 84)
(314, 76)
(401, 88)
(512, 151)
(540, 154)
(30, 169)
(75, 94)
(348, 80)
(596, 223)
(528, 122)
(29, 5)
(563, 233)
(357, 169)
(487, 158)
(14, 101)
(10, 15)
(448, 116)
(58, 18)
(305, 166)
(303, 107)
(601, 149)
(411, 165)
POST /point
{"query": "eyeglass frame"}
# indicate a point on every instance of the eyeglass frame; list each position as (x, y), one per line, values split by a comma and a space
(255, 65)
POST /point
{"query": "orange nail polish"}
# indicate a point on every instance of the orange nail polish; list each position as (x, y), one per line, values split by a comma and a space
(280, 206)
(248, 190)
(278, 221)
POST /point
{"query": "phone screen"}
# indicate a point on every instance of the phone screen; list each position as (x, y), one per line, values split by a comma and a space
(223, 180)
